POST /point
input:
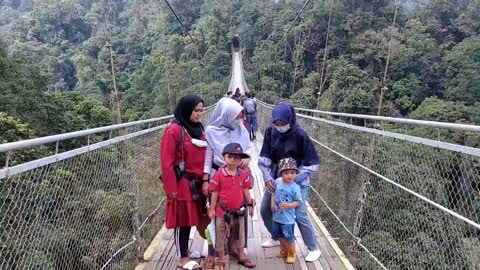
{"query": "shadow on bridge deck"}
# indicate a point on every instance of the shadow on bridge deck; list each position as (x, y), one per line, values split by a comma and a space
(163, 256)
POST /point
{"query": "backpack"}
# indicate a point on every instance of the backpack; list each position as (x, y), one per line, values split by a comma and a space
(250, 106)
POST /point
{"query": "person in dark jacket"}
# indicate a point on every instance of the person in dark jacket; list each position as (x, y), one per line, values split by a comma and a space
(286, 139)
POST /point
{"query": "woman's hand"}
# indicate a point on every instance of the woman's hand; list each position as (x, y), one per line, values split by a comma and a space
(244, 163)
(250, 210)
(205, 189)
(272, 206)
(211, 213)
(205, 178)
(172, 195)
(270, 185)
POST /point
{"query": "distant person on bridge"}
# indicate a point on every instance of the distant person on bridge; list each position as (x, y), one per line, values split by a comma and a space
(225, 127)
(250, 106)
(286, 139)
(183, 150)
(237, 96)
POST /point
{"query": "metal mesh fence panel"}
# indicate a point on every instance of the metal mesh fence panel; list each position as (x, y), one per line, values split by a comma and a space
(89, 210)
(394, 201)
(95, 205)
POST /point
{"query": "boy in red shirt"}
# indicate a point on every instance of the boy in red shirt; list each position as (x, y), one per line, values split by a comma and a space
(230, 191)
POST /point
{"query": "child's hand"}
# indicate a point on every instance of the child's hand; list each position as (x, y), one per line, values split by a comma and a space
(284, 205)
(272, 206)
(211, 213)
(250, 211)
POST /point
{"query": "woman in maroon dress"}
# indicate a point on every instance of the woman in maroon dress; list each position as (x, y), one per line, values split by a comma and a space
(182, 156)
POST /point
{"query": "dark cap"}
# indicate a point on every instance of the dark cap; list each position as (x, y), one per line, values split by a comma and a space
(234, 149)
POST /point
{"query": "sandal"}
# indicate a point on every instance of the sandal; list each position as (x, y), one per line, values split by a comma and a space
(191, 265)
(247, 262)
(209, 263)
(220, 264)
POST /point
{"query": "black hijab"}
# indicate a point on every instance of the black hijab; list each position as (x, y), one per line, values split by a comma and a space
(184, 111)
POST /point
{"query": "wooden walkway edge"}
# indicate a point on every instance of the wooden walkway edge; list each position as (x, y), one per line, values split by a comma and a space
(161, 252)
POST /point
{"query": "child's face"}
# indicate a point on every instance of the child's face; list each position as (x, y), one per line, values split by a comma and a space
(232, 159)
(289, 175)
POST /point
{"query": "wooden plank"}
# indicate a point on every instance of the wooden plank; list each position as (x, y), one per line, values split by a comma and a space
(260, 252)
(279, 263)
(266, 259)
(156, 249)
(319, 264)
(321, 229)
(171, 262)
(329, 254)
(164, 258)
(300, 249)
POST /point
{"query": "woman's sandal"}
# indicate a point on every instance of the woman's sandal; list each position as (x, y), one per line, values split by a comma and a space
(209, 263)
(220, 264)
(247, 262)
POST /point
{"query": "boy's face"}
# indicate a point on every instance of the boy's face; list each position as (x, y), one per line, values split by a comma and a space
(233, 159)
(289, 175)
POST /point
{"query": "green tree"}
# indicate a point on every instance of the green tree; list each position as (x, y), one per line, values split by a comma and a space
(463, 79)
(407, 93)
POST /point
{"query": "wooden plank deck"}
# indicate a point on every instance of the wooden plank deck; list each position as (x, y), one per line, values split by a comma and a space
(265, 258)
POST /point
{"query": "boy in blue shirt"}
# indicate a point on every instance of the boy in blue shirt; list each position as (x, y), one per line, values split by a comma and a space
(285, 198)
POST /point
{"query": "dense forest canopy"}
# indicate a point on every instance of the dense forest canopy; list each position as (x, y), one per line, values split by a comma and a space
(51, 48)
(68, 65)
(57, 47)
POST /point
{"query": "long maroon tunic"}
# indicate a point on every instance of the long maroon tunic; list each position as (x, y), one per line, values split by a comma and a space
(181, 211)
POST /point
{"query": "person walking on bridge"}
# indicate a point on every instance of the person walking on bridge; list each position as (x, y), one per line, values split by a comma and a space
(286, 139)
(250, 106)
(182, 152)
(225, 126)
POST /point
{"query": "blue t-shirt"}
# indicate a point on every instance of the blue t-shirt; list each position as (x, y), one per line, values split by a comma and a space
(285, 193)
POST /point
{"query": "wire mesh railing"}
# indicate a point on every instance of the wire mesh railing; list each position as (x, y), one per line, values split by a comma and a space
(90, 199)
(91, 207)
(393, 200)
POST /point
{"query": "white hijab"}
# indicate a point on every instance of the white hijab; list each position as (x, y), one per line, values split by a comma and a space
(220, 131)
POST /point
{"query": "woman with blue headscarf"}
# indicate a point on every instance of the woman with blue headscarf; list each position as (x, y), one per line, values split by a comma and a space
(286, 139)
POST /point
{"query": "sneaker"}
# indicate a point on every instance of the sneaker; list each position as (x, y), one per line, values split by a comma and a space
(270, 243)
(313, 255)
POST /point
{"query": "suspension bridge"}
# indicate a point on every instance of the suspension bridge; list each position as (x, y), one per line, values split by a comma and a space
(384, 198)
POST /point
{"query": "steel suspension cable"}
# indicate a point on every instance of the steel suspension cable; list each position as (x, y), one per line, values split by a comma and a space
(322, 73)
(296, 17)
(382, 90)
(185, 29)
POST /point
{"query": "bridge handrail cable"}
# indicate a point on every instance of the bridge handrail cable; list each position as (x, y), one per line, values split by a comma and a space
(18, 145)
(445, 209)
(337, 212)
(424, 123)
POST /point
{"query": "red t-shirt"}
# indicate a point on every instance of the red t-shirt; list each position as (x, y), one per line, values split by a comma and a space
(230, 189)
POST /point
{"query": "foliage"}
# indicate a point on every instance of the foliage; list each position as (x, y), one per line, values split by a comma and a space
(463, 79)
(62, 61)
